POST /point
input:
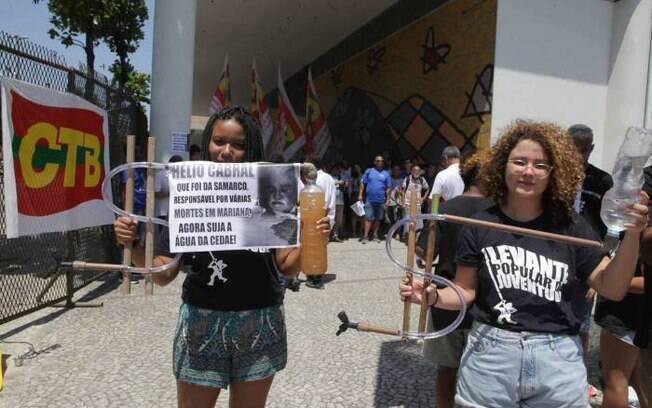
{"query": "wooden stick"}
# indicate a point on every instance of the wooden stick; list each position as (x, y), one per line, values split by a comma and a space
(125, 288)
(410, 257)
(430, 254)
(149, 212)
(365, 327)
(523, 231)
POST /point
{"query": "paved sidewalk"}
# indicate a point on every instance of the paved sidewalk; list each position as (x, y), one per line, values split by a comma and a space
(119, 355)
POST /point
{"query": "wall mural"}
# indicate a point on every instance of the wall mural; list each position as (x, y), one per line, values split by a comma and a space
(433, 55)
(419, 90)
(374, 59)
(479, 100)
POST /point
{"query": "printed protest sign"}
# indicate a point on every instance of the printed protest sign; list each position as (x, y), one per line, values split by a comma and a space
(56, 154)
(220, 206)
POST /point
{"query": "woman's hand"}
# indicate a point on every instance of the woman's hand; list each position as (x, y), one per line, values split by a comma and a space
(639, 212)
(126, 230)
(324, 224)
(412, 293)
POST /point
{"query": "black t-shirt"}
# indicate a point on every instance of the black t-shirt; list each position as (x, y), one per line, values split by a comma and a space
(445, 245)
(644, 333)
(525, 283)
(621, 315)
(596, 183)
(229, 280)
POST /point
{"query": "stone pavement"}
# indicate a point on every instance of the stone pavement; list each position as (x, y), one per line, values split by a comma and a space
(119, 355)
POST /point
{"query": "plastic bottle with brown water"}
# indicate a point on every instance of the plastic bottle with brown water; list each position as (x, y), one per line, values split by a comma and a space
(313, 242)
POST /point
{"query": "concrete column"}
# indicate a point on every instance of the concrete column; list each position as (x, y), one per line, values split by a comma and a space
(172, 71)
(628, 75)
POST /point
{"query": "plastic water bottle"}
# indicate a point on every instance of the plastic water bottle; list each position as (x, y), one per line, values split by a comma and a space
(628, 179)
(313, 242)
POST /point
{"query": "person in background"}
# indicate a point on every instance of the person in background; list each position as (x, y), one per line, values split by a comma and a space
(327, 185)
(139, 195)
(140, 184)
(644, 334)
(162, 187)
(345, 174)
(413, 181)
(407, 165)
(374, 187)
(394, 210)
(431, 173)
(446, 351)
(354, 192)
(625, 332)
(524, 348)
(341, 187)
(587, 203)
(448, 183)
(195, 152)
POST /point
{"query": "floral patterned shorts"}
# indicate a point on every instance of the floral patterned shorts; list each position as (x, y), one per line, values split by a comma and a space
(215, 348)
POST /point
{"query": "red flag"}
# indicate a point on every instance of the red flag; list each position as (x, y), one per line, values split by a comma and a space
(318, 137)
(289, 135)
(259, 107)
(222, 96)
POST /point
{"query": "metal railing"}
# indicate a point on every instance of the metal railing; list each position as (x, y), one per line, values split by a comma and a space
(30, 277)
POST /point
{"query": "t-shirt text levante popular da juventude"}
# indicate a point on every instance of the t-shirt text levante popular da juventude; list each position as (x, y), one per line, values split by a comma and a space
(525, 283)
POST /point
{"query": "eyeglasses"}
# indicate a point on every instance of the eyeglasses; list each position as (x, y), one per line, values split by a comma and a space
(540, 170)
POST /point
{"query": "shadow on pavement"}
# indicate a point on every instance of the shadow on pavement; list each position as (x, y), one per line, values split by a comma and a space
(404, 377)
(109, 283)
(38, 322)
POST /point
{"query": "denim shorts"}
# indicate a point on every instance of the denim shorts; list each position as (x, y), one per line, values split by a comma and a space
(503, 369)
(374, 211)
(215, 348)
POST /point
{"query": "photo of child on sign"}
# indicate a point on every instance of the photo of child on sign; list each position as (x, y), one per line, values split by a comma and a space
(277, 197)
(224, 206)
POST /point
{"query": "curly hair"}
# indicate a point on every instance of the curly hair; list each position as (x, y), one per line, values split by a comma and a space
(564, 180)
(470, 166)
(253, 139)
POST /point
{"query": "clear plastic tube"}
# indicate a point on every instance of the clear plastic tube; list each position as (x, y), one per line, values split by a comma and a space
(106, 196)
(439, 280)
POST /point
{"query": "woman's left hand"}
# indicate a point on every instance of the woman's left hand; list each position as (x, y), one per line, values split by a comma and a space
(639, 212)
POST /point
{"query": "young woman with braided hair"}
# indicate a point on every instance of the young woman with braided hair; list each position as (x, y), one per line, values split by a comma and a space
(231, 331)
(525, 293)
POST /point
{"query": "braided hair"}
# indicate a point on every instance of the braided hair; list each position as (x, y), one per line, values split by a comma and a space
(253, 139)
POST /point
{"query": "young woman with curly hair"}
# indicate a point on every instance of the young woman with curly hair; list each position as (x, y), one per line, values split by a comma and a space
(524, 292)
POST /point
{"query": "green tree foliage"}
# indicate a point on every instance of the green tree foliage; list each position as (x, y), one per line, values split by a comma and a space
(70, 20)
(137, 83)
(124, 33)
(117, 22)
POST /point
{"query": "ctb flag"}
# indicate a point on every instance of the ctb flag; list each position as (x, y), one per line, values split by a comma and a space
(55, 148)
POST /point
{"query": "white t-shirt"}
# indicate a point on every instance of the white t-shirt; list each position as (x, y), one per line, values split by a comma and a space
(327, 184)
(162, 188)
(448, 183)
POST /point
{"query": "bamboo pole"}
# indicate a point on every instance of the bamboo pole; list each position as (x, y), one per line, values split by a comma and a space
(125, 288)
(430, 254)
(149, 212)
(522, 231)
(412, 226)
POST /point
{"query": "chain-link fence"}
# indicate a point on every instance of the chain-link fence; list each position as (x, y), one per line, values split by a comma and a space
(30, 277)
